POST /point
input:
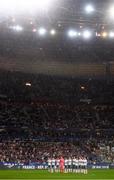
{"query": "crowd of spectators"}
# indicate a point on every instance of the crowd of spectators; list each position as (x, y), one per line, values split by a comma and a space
(49, 120)
(34, 132)
(30, 151)
(49, 124)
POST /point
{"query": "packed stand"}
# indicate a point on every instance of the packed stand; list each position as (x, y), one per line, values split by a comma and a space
(65, 116)
(34, 132)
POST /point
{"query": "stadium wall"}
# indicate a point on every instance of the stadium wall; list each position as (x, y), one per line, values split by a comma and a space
(54, 68)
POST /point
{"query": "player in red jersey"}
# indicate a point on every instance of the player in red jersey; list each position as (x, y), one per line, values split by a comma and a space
(62, 164)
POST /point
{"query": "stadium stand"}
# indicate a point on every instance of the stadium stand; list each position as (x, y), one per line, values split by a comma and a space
(37, 129)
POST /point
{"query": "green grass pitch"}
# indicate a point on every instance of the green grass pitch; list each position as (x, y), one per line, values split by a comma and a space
(41, 175)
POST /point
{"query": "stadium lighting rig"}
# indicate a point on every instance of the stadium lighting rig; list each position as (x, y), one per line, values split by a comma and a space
(16, 28)
(42, 31)
(111, 34)
(53, 32)
(79, 34)
(72, 33)
(104, 34)
(87, 34)
(89, 9)
(98, 34)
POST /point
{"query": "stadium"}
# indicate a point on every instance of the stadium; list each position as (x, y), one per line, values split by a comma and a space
(57, 89)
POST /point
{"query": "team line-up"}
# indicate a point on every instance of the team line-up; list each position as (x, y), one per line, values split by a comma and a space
(70, 165)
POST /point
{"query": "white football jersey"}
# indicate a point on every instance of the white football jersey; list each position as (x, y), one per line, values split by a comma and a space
(53, 162)
(66, 162)
(49, 162)
(70, 162)
(76, 162)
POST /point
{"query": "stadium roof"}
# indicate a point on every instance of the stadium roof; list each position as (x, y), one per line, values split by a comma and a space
(57, 34)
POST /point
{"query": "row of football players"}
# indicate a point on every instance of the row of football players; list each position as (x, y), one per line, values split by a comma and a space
(75, 165)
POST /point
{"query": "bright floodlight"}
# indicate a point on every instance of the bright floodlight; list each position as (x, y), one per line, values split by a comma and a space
(16, 28)
(52, 32)
(89, 9)
(111, 12)
(42, 31)
(9, 6)
(111, 34)
(104, 34)
(72, 33)
(79, 34)
(44, 3)
(87, 34)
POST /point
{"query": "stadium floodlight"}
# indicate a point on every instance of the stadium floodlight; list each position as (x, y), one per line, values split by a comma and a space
(87, 34)
(16, 28)
(52, 32)
(104, 34)
(98, 34)
(79, 34)
(7, 6)
(42, 31)
(43, 3)
(89, 9)
(72, 33)
(111, 34)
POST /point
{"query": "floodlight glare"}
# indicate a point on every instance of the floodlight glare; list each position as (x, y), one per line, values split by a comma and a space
(111, 34)
(8, 6)
(52, 32)
(104, 34)
(89, 9)
(72, 33)
(34, 30)
(44, 3)
(87, 34)
(16, 28)
(98, 34)
(111, 12)
(42, 31)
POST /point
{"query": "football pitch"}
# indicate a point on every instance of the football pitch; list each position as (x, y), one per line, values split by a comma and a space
(42, 175)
